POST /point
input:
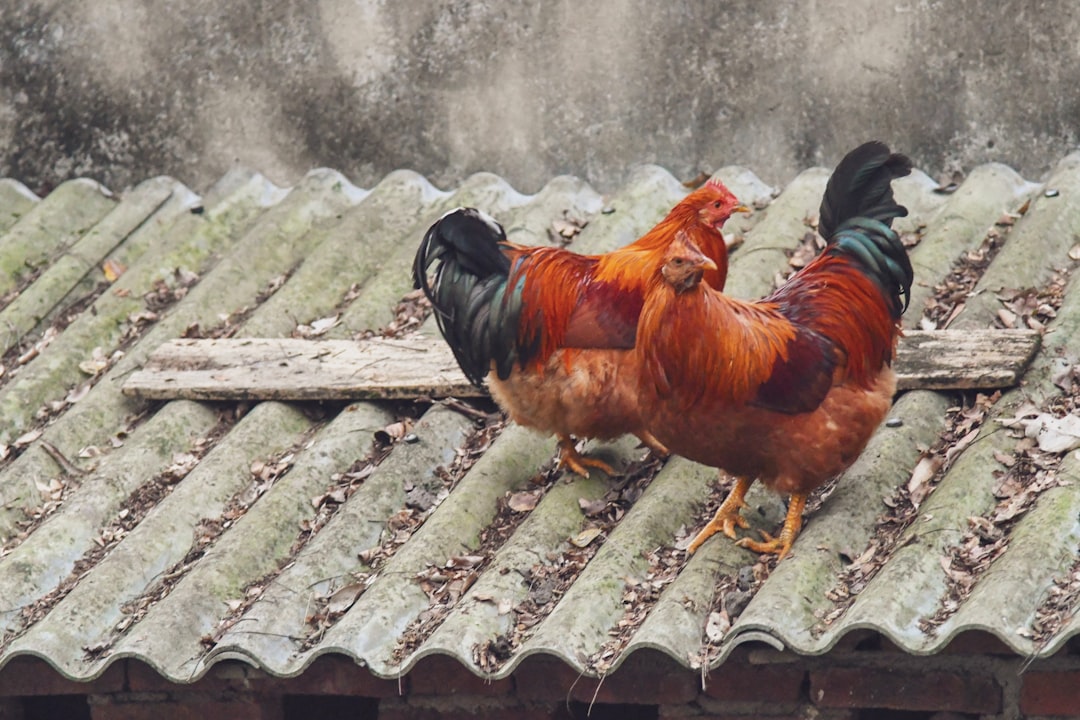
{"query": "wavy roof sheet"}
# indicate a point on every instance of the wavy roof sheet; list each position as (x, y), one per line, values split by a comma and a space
(182, 533)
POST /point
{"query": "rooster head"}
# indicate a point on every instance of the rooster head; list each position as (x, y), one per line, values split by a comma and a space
(715, 203)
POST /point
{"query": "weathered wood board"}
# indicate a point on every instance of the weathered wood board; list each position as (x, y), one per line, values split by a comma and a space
(299, 369)
(964, 359)
(384, 368)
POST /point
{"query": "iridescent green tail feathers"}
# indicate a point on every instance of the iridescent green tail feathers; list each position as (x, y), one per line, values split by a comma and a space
(856, 217)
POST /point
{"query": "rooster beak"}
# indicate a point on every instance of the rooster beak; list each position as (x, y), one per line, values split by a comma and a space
(709, 264)
(742, 209)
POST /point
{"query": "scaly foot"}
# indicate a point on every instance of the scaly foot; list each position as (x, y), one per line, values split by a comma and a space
(570, 458)
(727, 516)
(781, 545)
(775, 545)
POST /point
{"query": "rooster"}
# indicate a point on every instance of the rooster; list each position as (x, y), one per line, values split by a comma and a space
(787, 389)
(551, 329)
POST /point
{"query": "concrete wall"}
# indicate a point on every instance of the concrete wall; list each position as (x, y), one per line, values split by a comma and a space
(120, 90)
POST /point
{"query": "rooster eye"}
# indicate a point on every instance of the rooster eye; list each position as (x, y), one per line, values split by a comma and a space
(716, 204)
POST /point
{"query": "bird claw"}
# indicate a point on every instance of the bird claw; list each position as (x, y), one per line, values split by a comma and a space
(734, 519)
(571, 459)
(725, 523)
(725, 519)
(779, 546)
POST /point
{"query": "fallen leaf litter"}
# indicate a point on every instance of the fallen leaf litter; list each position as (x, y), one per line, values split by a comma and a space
(549, 580)
(130, 513)
(420, 501)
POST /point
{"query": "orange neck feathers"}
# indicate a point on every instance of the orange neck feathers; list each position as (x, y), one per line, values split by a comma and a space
(701, 215)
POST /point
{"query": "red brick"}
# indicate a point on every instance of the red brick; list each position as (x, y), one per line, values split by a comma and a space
(31, 676)
(479, 714)
(978, 643)
(443, 675)
(756, 683)
(328, 675)
(119, 708)
(747, 712)
(11, 709)
(645, 678)
(972, 642)
(859, 640)
(406, 710)
(799, 715)
(904, 690)
(544, 680)
(1050, 693)
(338, 675)
(226, 676)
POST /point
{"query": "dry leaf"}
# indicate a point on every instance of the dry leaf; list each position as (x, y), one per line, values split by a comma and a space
(1054, 434)
(1004, 458)
(959, 446)
(1063, 370)
(565, 228)
(1023, 413)
(717, 626)
(27, 438)
(318, 327)
(592, 508)
(93, 367)
(524, 501)
(463, 562)
(54, 490)
(344, 598)
(959, 308)
(112, 269)
(585, 537)
(919, 484)
(78, 393)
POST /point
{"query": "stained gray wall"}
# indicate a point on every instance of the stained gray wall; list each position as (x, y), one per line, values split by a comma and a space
(123, 89)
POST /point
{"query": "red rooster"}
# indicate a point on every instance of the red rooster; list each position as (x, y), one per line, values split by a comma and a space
(550, 329)
(788, 389)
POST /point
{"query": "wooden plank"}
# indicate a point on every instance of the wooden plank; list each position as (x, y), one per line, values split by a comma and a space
(298, 369)
(383, 368)
(964, 359)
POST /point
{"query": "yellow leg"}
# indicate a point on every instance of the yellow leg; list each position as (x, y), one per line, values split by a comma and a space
(649, 440)
(727, 515)
(792, 525)
(569, 457)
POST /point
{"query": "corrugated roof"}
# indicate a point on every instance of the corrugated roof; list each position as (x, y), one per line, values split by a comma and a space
(183, 533)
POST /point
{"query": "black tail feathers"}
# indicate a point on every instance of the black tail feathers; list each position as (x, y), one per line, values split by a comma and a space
(861, 186)
(471, 274)
(469, 237)
(856, 218)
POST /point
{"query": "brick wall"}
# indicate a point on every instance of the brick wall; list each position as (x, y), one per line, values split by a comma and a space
(973, 679)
